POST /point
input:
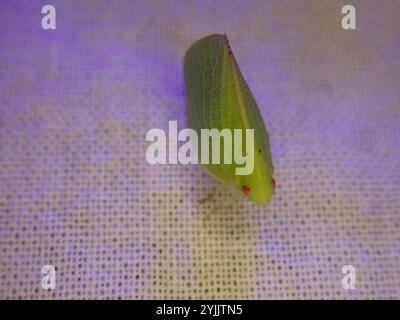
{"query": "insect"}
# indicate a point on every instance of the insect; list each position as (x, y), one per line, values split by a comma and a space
(217, 96)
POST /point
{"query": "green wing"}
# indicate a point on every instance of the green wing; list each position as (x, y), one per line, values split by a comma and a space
(218, 97)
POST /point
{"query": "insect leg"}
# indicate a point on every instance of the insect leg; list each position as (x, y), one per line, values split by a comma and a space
(212, 194)
(227, 203)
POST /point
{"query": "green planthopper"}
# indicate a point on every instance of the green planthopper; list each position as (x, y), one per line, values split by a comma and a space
(218, 97)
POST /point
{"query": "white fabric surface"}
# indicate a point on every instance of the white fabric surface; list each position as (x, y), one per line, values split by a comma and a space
(76, 191)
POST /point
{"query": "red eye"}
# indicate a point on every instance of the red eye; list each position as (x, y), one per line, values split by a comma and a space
(246, 190)
(273, 184)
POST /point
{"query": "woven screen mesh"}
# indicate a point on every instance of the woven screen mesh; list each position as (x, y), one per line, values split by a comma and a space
(77, 193)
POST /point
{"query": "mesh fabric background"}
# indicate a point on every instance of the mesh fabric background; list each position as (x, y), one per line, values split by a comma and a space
(76, 190)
